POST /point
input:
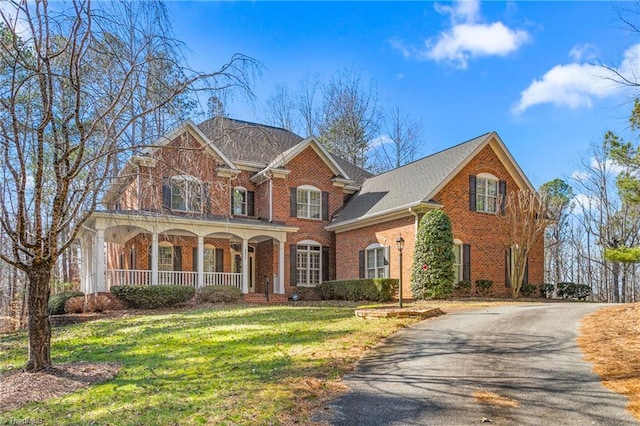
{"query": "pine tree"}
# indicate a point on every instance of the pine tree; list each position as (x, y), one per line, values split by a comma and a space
(432, 275)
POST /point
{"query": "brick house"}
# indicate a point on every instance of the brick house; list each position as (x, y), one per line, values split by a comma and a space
(234, 203)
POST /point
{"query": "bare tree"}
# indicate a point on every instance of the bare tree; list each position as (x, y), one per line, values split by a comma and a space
(64, 116)
(404, 134)
(280, 109)
(350, 117)
(521, 224)
(306, 104)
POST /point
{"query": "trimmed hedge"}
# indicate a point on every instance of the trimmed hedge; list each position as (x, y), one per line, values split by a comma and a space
(57, 301)
(528, 290)
(307, 293)
(153, 297)
(370, 289)
(218, 294)
(546, 290)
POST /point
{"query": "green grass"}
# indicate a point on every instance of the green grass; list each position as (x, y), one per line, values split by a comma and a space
(227, 365)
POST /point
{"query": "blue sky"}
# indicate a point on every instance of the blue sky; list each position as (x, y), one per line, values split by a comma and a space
(523, 69)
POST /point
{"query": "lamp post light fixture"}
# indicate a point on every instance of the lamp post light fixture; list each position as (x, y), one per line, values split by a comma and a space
(400, 243)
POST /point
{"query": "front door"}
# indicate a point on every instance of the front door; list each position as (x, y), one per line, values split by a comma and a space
(251, 262)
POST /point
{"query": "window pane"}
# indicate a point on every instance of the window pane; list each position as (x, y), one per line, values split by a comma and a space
(492, 186)
(165, 258)
(239, 202)
(481, 186)
(380, 257)
(480, 203)
(209, 262)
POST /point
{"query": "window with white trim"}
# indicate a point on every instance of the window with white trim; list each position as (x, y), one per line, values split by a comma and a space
(486, 193)
(239, 201)
(457, 262)
(309, 264)
(209, 258)
(309, 201)
(165, 256)
(186, 194)
(377, 261)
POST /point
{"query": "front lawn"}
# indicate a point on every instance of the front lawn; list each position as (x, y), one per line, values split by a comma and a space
(223, 365)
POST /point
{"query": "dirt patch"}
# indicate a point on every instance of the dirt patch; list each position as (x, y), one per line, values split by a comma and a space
(20, 388)
(610, 340)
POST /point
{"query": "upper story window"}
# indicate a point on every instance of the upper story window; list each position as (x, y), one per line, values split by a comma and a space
(239, 201)
(186, 194)
(309, 202)
(377, 261)
(486, 193)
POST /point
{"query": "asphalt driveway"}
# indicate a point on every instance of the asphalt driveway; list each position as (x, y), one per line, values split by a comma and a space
(428, 374)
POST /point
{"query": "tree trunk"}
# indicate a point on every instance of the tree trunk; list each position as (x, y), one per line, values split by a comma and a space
(39, 325)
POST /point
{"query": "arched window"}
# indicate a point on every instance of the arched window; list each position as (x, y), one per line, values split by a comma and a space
(377, 261)
(309, 261)
(209, 259)
(309, 202)
(165, 256)
(486, 193)
(239, 201)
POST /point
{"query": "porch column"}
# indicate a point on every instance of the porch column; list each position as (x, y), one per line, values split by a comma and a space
(99, 270)
(87, 261)
(200, 261)
(154, 258)
(245, 266)
(280, 267)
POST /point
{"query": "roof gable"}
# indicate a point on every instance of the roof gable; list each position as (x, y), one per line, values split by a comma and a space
(322, 152)
(416, 183)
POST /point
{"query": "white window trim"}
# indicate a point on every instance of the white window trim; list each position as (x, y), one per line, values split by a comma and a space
(385, 251)
(213, 249)
(317, 250)
(165, 245)
(188, 182)
(487, 177)
(243, 204)
(308, 189)
(458, 267)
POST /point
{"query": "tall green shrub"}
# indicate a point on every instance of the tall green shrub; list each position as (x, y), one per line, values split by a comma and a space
(432, 275)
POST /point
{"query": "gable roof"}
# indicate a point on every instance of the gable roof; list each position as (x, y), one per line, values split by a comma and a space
(271, 147)
(416, 183)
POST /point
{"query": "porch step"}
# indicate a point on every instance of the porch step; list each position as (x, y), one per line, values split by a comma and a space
(261, 298)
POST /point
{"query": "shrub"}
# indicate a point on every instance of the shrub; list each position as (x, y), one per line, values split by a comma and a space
(546, 290)
(371, 289)
(462, 288)
(567, 290)
(57, 301)
(527, 290)
(218, 294)
(74, 305)
(432, 274)
(484, 287)
(153, 297)
(308, 293)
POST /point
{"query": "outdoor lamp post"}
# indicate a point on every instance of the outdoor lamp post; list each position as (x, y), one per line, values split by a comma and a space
(400, 243)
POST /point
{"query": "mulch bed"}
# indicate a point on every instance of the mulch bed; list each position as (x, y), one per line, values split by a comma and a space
(19, 388)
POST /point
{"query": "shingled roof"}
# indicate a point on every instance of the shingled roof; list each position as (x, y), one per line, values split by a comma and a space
(409, 185)
(244, 141)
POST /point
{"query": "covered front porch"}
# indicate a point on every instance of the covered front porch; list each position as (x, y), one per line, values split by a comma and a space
(140, 248)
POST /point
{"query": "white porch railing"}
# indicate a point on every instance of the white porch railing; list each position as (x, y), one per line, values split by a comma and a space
(222, 278)
(186, 278)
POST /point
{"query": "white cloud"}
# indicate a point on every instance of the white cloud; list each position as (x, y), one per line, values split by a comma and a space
(577, 85)
(465, 41)
(583, 52)
(579, 175)
(467, 37)
(380, 140)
